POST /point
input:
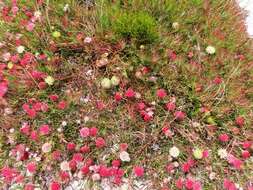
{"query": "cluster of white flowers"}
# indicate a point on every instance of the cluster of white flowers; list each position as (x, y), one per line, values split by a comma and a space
(174, 152)
(124, 156)
(222, 153)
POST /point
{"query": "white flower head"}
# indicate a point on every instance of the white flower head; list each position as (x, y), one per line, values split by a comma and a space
(46, 147)
(222, 153)
(49, 80)
(37, 14)
(64, 166)
(6, 56)
(210, 50)
(95, 177)
(174, 152)
(66, 8)
(175, 25)
(64, 123)
(20, 49)
(124, 156)
(87, 40)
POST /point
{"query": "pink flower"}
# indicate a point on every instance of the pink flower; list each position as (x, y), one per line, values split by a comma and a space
(9, 173)
(217, 80)
(123, 146)
(56, 155)
(180, 183)
(245, 154)
(179, 115)
(141, 106)
(31, 113)
(85, 149)
(138, 171)
(93, 131)
(171, 106)
(42, 85)
(116, 163)
(55, 186)
(64, 175)
(197, 186)
(3, 88)
(15, 58)
(31, 167)
(34, 135)
(117, 96)
(130, 93)
(73, 165)
(240, 121)
(54, 97)
(37, 74)
(170, 167)
(25, 129)
(78, 157)
(100, 142)
(71, 146)
(85, 169)
(172, 55)
(235, 162)
(161, 93)
(100, 105)
(189, 183)
(62, 105)
(85, 132)
(205, 153)
(246, 144)
(44, 129)
(104, 171)
(30, 26)
(224, 138)
(167, 132)
(228, 185)
(29, 187)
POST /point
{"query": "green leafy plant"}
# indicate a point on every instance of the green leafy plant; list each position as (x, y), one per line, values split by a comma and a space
(137, 25)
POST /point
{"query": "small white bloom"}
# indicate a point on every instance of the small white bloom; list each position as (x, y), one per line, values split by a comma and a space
(20, 49)
(95, 177)
(237, 185)
(37, 159)
(12, 130)
(87, 40)
(142, 47)
(64, 123)
(46, 147)
(64, 166)
(8, 111)
(49, 80)
(6, 56)
(222, 153)
(210, 50)
(37, 14)
(176, 164)
(137, 95)
(80, 175)
(174, 152)
(175, 25)
(212, 176)
(66, 8)
(59, 129)
(124, 156)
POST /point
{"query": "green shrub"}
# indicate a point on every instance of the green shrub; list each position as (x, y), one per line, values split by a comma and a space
(137, 25)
